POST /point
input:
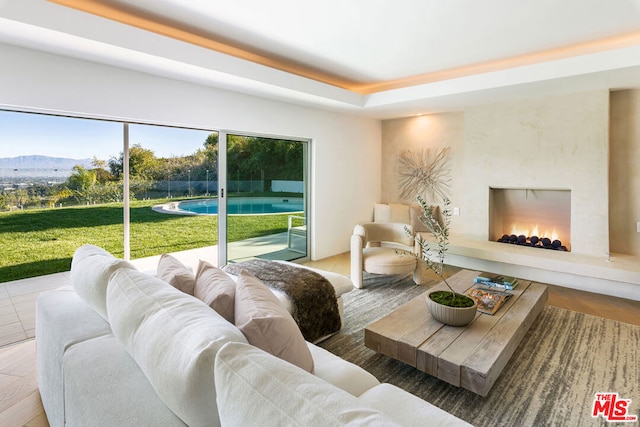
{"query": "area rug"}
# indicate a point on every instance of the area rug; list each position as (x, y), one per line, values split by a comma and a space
(551, 380)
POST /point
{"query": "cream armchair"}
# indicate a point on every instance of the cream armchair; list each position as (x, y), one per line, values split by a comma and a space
(374, 248)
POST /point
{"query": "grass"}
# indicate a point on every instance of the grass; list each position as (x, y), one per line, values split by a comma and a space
(42, 241)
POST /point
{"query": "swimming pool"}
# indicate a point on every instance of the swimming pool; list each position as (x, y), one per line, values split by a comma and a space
(241, 206)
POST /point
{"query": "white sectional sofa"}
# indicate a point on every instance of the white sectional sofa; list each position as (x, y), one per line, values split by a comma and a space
(123, 348)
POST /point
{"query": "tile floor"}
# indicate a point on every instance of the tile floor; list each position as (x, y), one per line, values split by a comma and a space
(17, 305)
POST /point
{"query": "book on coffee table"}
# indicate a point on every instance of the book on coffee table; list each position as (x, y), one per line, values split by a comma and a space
(497, 281)
(488, 299)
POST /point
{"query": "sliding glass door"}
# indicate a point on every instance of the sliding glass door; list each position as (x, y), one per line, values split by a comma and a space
(173, 188)
(64, 182)
(266, 199)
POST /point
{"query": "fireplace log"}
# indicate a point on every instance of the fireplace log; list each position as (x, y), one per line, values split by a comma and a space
(533, 241)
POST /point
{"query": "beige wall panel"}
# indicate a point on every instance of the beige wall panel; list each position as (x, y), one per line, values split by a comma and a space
(624, 175)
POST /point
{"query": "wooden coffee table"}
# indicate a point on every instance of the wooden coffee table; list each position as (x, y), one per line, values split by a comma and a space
(469, 356)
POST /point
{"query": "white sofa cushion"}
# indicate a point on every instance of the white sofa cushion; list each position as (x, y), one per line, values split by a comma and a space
(407, 409)
(217, 289)
(340, 373)
(267, 324)
(91, 268)
(173, 337)
(176, 274)
(62, 320)
(255, 388)
(103, 387)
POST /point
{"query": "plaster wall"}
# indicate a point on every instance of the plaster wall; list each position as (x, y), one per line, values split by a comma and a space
(434, 132)
(346, 150)
(624, 174)
(549, 143)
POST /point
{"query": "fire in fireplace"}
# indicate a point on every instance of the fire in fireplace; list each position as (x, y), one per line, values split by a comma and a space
(537, 218)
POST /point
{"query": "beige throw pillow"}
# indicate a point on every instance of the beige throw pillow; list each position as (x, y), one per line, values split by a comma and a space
(216, 289)
(267, 324)
(176, 274)
(400, 213)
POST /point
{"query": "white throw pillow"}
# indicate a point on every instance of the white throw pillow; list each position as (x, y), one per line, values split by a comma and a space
(176, 274)
(91, 268)
(215, 288)
(267, 324)
(174, 338)
(256, 389)
(381, 212)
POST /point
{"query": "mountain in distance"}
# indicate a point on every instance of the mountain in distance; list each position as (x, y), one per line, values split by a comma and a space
(40, 163)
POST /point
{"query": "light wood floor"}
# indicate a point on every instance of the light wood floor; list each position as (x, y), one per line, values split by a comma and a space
(20, 403)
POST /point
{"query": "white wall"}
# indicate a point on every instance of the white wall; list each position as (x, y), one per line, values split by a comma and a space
(346, 150)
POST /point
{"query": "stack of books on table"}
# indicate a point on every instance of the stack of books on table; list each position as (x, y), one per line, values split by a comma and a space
(496, 281)
(491, 291)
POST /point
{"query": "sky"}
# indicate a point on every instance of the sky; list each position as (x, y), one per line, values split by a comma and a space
(23, 134)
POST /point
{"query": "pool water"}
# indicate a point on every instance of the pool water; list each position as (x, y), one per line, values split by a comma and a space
(244, 206)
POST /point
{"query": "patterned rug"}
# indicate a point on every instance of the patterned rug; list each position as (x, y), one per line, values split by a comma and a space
(565, 358)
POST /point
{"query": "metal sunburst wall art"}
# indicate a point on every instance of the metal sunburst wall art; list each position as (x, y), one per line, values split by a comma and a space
(426, 173)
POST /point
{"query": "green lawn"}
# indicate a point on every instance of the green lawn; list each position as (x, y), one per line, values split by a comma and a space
(42, 241)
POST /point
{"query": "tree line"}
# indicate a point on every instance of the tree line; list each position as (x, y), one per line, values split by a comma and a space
(247, 157)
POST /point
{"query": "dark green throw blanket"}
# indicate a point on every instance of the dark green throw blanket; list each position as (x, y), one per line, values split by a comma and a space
(315, 307)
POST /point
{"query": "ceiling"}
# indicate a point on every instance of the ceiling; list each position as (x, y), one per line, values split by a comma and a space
(375, 58)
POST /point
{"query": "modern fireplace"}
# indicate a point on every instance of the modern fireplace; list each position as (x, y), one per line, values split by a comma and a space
(540, 218)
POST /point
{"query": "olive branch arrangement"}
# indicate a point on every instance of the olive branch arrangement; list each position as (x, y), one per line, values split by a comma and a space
(440, 232)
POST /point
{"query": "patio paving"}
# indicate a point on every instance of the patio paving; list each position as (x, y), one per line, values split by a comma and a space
(17, 298)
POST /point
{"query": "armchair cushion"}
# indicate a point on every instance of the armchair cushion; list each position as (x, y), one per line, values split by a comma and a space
(387, 261)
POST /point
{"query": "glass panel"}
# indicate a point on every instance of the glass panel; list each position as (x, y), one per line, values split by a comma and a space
(56, 192)
(266, 198)
(173, 185)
